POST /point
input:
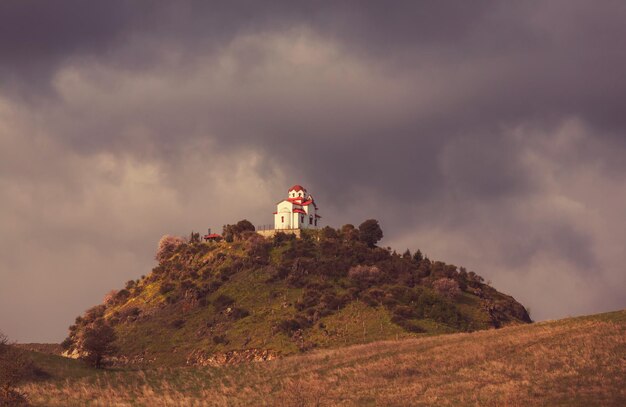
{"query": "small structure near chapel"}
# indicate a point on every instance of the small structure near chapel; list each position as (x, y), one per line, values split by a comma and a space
(212, 237)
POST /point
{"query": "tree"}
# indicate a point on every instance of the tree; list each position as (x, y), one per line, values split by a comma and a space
(97, 342)
(370, 232)
(13, 368)
(232, 232)
(194, 237)
(245, 226)
(167, 246)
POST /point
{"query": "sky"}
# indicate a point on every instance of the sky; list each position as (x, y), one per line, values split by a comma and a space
(488, 134)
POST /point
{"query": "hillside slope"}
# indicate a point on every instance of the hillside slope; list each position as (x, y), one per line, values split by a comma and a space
(573, 362)
(257, 298)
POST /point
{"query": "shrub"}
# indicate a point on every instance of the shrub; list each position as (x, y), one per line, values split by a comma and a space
(370, 232)
(178, 323)
(288, 326)
(67, 343)
(14, 366)
(167, 246)
(309, 299)
(406, 324)
(329, 233)
(363, 274)
(404, 311)
(239, 313)
(447, 287)
(94, 313)
(236, 231)
(220, 339)
(130, 313)
(109, 298)
(121, 296)
(222, 302)
(166, 287)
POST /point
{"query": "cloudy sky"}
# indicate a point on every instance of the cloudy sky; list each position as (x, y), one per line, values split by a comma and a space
(488, 134)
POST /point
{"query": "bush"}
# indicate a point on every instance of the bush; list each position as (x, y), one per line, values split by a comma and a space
(166, 287)
(220, 339)
(14, 367)
(94, 313)
(237, 231)
(222, 302)
(404, 311)
(178, 323)
(289, 326)
(239, 313)
(364, 275)
(109, 298)
(447, 287)
(409, 326)
(167, 246)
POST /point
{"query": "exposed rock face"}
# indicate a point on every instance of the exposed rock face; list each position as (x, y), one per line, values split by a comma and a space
(501, 311)
(200, 358)
(72, 354)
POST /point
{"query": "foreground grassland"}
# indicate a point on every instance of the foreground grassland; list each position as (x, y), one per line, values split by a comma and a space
(574, 362)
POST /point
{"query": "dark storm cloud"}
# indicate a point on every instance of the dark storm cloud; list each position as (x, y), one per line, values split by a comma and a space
(490, 135)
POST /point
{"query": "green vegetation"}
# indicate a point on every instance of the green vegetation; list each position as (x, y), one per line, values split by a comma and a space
(286, 295)
(570, 362)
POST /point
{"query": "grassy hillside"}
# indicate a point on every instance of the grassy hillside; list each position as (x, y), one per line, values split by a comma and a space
(257, 298)
(570, 362)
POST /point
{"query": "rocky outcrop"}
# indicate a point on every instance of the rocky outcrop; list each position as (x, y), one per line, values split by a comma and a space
(502, 312)
(201, 358)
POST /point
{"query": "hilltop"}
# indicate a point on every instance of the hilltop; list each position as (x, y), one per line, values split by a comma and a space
(256, 298)
(574, 362)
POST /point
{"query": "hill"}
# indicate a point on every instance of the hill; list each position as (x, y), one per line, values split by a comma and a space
(574, 362)
(257, 298)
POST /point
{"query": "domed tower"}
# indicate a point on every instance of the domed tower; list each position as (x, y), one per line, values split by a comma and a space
(298, 211)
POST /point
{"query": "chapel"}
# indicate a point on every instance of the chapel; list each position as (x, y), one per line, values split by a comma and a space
(298, 211)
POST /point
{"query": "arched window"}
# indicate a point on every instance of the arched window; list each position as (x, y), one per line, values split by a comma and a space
(282, 219)
(311, 220)
(302, 218)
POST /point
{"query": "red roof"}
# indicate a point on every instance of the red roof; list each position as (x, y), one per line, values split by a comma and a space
(296, 188)
(212, 236)
(299, 211)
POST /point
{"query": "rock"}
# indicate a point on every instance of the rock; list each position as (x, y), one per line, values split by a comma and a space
(233, 357)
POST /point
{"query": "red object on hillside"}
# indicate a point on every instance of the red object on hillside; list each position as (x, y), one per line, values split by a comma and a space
(212, 236)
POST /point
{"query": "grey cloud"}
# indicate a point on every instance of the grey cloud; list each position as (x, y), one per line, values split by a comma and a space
(481, 132)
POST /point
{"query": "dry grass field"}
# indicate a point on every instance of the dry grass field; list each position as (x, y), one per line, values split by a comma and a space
(571, 362)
